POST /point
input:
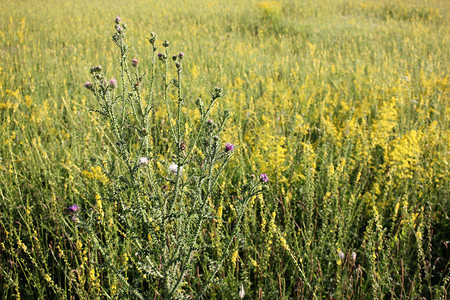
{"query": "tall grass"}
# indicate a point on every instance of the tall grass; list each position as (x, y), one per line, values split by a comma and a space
(343, 104)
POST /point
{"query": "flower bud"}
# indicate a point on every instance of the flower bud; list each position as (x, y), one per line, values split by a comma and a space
(166, 44)
(113, 83)
(174, 57)
(88, 85)
(135, 62)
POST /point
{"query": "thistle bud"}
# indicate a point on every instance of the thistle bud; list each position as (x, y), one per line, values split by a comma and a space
(113, 83)
(135, 62)
(166, 44)
(88, 85)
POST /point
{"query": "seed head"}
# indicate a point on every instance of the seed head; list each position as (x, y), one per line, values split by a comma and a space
(143, 160)
(173, 168)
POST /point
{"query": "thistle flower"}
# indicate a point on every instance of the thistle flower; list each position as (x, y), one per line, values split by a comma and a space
(210, 122)
(263, 178)
(135, 62)
(119, 29)
(143, 160)
(113, 83)
(160, 56)
(118, 19)
(73, 208)
(229, 147)
(181, 55)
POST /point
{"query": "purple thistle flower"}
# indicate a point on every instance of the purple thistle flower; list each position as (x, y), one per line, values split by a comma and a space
(88, 85)
(229, 147)
(135, 62)
(160, 56)
(73, 208)
(264, 178)
(181, 55)
(113, 83)
(118, 19)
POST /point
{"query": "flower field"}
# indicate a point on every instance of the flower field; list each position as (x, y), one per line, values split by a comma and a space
(224, 149)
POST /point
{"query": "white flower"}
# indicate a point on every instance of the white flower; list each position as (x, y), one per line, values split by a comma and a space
(354, 256)
(143, 160)
(173, 168)
(241, 292)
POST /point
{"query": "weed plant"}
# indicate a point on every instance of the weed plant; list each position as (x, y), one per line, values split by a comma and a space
(162, 209)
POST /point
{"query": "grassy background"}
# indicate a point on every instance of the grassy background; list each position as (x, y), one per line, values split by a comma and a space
(344, 104)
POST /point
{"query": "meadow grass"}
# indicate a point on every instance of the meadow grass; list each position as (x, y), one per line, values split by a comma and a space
(343, 104)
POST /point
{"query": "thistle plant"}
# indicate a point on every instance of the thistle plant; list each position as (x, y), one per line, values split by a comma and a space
(163, 173)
